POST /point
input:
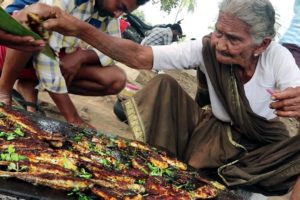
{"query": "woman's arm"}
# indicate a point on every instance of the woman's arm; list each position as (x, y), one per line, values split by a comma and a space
(125, 51)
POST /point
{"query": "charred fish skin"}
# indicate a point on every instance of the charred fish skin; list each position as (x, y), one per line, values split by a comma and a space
(20, 120)
(88, 161)
(53, 181)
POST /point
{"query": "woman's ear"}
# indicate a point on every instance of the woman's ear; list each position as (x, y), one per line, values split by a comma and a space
(263, 45)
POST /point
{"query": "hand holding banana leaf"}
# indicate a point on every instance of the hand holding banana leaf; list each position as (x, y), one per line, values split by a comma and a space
(33, 38)
(22, 43)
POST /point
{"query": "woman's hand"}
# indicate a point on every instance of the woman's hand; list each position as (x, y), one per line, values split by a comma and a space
(44, 12)
(22, 43)
(287, 102)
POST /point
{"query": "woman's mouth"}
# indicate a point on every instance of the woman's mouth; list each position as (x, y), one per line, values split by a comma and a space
(222, 53)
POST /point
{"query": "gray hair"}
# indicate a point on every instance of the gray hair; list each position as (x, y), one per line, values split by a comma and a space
(258, 14)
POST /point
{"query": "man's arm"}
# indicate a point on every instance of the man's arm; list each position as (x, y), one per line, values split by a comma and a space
(125, 51)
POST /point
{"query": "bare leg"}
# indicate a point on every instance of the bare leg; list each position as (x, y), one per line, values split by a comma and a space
(27, 89)
(14, 62)
(98, 81)
(68, 110)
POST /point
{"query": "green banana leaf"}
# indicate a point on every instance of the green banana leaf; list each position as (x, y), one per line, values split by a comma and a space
(10, 25)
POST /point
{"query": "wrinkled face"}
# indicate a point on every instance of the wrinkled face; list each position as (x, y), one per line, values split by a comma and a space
(232, 40)
(115, 8)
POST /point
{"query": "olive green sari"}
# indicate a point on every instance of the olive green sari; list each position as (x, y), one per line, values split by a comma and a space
(252, 152)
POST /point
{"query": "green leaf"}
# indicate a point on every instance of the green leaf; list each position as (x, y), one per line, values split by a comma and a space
(12, 167)
(23, 168)
(141, 182)
(21, 157)
(3, 156)
(10, 25)
(169, 172)
(14, 157)
(105, 163)
(11, 149)
(84, 174)
(10, 136)
(19, 132)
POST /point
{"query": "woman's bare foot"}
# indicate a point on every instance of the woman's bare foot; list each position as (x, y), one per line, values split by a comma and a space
(27, 89)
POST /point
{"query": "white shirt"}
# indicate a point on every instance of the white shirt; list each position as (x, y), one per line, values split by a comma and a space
(276, 69)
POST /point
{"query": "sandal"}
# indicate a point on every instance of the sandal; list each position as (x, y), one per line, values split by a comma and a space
(20, 102)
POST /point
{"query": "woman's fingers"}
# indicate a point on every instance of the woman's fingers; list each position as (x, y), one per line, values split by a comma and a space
(287, 102)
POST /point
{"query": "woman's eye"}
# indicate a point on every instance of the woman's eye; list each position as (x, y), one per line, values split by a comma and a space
(218, 33)
(233, 40)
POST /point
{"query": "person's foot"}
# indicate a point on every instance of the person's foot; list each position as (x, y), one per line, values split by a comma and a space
(5, 98)
(27, 89)
(81, 123)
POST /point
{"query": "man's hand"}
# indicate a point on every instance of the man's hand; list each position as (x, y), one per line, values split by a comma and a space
(287, 102)
(64, 23)
(70, 65)
(44, 12)
(22, 43)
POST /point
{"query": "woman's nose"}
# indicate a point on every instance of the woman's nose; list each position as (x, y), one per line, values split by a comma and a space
(221, 44)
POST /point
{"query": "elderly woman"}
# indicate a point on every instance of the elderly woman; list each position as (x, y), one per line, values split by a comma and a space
(250, 80)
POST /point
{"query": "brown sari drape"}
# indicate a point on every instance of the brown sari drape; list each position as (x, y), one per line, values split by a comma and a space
(253, 152)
